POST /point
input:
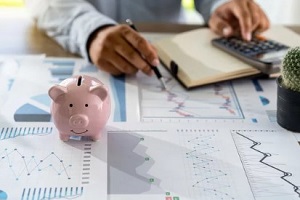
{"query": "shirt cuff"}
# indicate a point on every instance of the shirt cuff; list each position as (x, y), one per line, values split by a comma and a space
(85, 26)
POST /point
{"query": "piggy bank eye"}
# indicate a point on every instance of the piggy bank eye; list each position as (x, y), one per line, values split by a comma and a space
(71, 105)
(86, 105)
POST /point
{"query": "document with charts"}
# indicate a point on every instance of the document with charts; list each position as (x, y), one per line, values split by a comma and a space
(35, 164)
(138, 98)
(9, 67)
(27, 99)
(227, 101)
(201, 161)
(215, 142)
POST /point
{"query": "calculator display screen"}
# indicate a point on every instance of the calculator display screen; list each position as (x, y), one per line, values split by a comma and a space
(273, 55)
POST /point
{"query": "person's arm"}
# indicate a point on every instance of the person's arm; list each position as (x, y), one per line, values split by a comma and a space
(81, 29)
(69, 22)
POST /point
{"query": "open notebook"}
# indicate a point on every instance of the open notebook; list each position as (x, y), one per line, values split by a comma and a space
(192, 59)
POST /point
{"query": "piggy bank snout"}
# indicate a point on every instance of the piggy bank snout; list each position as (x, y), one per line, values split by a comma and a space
(79, 121)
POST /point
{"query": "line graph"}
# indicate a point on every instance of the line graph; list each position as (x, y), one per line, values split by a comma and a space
(217, 101)
(21, 165)
(210, 175)
(45, 167)
(128, 154)
(266, 177)
(186, 161)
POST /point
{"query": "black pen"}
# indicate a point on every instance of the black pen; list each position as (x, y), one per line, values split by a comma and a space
(154, 68)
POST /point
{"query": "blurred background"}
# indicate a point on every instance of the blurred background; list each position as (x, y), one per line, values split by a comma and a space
(13, 3)
(279, 11)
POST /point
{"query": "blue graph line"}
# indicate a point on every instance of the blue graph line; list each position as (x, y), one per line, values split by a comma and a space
(235, 100)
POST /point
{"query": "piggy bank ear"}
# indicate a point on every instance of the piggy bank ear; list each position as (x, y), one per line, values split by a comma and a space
(100, 91)
(56, 91)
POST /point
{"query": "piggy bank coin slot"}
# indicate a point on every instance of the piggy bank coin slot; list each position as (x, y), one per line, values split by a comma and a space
(79, 80)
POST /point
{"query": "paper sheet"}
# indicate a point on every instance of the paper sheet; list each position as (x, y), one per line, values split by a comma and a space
(36, 164)
(28, 99)
(153, 141)
(245, 100)
(201, 161)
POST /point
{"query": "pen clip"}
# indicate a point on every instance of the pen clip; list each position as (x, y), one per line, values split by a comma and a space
(173, 68)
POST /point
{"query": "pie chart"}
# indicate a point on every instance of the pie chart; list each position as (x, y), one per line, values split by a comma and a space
(35, 110)
(3, 195)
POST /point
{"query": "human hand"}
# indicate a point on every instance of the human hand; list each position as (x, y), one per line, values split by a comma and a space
(239, 17)
(121, 50)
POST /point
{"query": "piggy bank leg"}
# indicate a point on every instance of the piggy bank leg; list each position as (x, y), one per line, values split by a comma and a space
(64, 137)
(96, 137)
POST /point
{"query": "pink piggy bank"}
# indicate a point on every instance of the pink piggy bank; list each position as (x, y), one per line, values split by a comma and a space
(80, 107)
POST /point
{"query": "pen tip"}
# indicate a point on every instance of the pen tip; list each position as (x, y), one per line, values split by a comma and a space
(128, 21)
(164, 88)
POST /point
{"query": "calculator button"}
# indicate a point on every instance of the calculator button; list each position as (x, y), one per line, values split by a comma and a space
(257, 45)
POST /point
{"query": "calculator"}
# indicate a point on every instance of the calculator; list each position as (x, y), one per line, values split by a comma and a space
(262, 53)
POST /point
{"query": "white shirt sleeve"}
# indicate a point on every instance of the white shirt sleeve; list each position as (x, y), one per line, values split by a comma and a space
(69, 22)
(206, 7)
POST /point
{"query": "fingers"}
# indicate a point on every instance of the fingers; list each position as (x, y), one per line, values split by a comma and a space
(239, 17)
(110, 68)
(242, 12)
(123, 65)
(140, 44)
(134, 58)
(119, 49)
(116, 64)
(113, 63)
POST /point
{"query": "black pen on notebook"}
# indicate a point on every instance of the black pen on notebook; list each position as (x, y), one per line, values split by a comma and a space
(154, 68)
